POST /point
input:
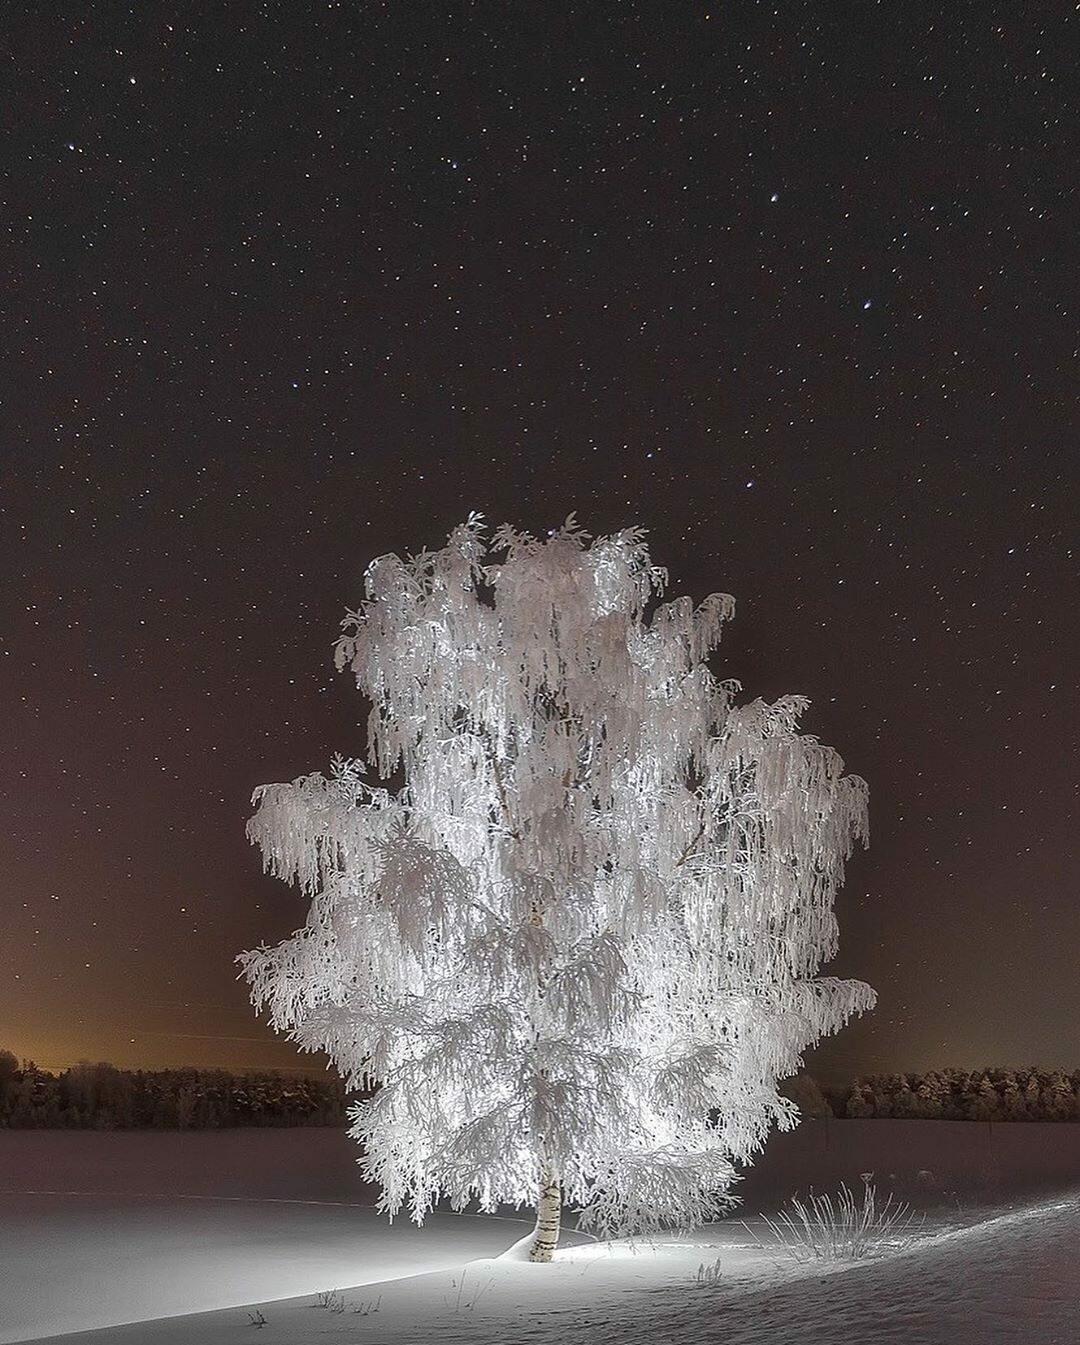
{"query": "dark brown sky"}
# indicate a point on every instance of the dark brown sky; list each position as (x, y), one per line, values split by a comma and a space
(285, 288)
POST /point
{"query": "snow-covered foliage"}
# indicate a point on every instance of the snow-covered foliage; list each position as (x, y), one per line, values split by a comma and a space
(581, 938)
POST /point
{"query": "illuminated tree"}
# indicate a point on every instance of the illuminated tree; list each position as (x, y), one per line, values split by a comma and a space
(577, 948)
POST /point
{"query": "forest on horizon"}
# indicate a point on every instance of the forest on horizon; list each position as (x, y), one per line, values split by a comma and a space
(98, 1095)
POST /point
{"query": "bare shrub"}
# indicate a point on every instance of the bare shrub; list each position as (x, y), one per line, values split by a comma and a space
(842, 1227)
(329, 1299)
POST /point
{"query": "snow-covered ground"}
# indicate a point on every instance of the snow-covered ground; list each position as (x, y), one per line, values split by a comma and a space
(71, 1261)
(191, 1271)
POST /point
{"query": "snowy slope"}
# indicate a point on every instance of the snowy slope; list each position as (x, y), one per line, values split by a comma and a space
(71, 1261)
(231, 1219)
(1011, 1279)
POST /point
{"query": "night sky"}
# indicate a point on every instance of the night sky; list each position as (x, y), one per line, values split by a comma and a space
(287, 286)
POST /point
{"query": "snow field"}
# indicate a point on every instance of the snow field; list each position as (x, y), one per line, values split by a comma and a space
(187, 1267)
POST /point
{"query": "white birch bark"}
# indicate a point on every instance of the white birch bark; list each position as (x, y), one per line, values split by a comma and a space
(548, 1219)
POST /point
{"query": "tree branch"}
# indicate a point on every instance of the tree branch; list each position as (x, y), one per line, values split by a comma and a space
(501, 787)
(686, 853)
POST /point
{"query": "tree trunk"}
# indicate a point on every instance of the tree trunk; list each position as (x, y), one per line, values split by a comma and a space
(548, 1216)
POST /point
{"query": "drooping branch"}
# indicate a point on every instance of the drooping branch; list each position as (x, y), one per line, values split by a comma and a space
(500, 785)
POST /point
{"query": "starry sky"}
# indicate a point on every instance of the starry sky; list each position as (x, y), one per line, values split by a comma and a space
(286, 286)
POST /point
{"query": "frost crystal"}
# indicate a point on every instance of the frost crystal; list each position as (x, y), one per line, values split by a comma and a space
(580, 942)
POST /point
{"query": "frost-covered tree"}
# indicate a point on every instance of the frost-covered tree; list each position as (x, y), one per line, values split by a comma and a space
(569, 928)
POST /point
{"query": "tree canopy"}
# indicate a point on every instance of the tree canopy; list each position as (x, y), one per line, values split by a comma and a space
(568, 916)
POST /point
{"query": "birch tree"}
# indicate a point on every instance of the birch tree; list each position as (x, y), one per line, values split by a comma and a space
(566, 918)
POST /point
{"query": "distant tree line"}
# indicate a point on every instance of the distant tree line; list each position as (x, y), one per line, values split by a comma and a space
(101, 1097)
(965, 1095)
